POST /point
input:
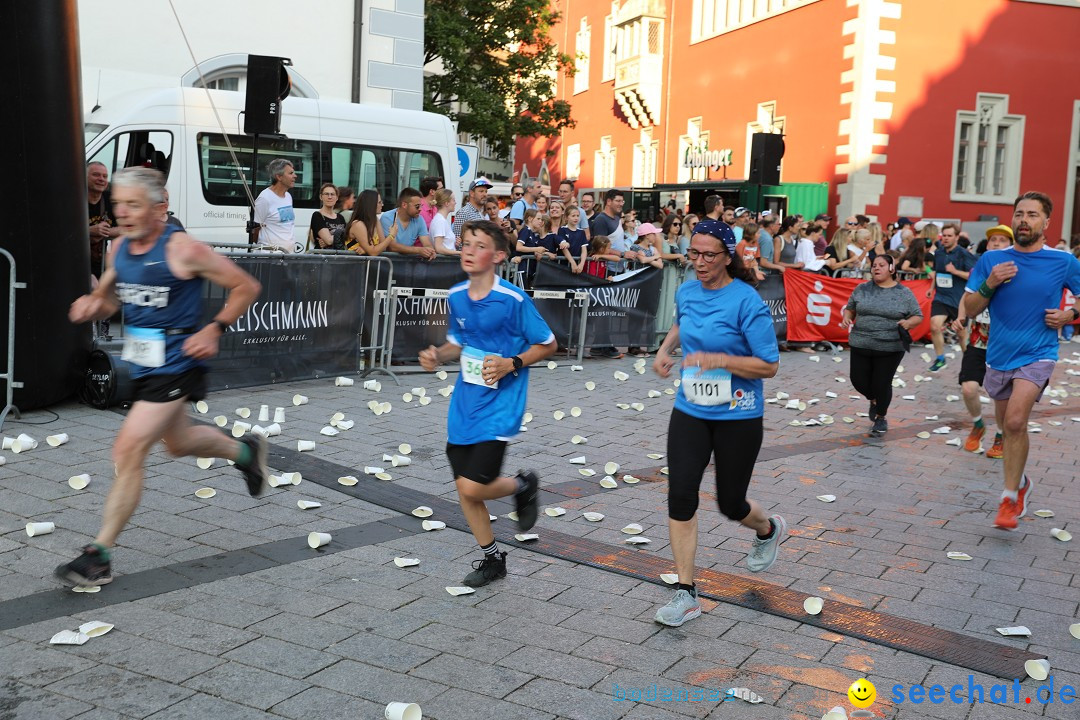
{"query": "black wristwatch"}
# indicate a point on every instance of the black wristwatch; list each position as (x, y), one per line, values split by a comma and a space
(1076, 314)
(221, 326)
(518, 363)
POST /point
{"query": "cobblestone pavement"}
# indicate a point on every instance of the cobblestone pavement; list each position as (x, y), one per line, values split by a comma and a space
(222, 611)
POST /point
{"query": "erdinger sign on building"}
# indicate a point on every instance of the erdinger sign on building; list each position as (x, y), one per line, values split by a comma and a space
(702, 157)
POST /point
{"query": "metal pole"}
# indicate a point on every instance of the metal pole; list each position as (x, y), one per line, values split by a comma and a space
(9, 373)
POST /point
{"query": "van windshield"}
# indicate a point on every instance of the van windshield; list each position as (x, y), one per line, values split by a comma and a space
(91, 131)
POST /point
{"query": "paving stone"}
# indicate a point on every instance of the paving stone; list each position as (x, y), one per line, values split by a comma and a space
(23, 702)
(390, 653)
(326, 704)
(278, 656)
(569, 702)
(570, 669)
(246, 685)
(308, 632)
(476, 645)
(375, 684)
(119, 690)
(201, 707)
(495, 679)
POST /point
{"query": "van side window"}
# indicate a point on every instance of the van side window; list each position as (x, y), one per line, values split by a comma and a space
(137, 148)
(388, 170)
(220, 179)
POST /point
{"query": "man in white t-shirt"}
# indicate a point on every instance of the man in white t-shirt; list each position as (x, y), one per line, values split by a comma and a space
(274, 212)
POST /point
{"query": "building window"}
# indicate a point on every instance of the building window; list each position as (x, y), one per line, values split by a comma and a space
(609, 44)
(697, 140)
(224, 83)
(710, 18)
(573, 162)
(604, 164)
(987, 151)
(645, 154)
(581, 57)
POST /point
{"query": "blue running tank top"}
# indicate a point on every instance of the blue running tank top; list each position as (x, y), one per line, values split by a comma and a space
(160, 310)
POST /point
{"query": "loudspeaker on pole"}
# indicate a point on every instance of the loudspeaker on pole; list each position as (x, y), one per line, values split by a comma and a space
(268, 84)
(766, 152)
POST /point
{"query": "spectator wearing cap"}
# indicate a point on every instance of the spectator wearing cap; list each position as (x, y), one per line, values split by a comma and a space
(741, 217)
(897, 240)
(650, 246)
(428, 206)
(473, 210)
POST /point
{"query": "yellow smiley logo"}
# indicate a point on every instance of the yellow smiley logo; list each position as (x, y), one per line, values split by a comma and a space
(862, 693)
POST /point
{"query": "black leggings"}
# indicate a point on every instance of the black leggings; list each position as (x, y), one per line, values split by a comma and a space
(691, 443)
(872, 373)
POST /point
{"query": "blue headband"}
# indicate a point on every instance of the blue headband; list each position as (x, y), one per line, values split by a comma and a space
(719, 230)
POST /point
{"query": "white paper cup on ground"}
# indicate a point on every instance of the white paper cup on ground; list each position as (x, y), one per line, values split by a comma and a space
(345, 424)
(423, 511)
(430, 525)
(441, 374)
(264, 413)
(813, 605)
(204, 463)
(243, 412)
(318, 539)
(68, 637)
(33, 529)
(8, 443)
(1062, 535)
(305, 445)
(57, 440)
(343, 382)
(611, 468)
(279, 414)
(400, 461)
(95, 628)
(79, 482)
(205, 493)
(201, 407)
(371, 385)
(837, 713)
(299, 399)
(1037, 669)
(273, 429)
(221, 421)
(633, 529)
(404, 448)
(292, 478)
(308, 504)
(1074, 630)
(404, 562)
(23, 443)
(329, 431)
(347, 480)
(239, 428)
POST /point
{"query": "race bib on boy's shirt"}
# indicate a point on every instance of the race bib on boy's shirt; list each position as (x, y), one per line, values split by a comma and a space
(711, 387)
(472, 367)
(144, 346)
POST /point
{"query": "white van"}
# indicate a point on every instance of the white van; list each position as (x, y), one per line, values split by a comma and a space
(359, 146)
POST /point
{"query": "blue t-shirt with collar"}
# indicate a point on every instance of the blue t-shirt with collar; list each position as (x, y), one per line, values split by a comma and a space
(408, 235)
(949, 288)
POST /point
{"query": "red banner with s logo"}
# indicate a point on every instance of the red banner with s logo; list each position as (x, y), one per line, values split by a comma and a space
(815, 306)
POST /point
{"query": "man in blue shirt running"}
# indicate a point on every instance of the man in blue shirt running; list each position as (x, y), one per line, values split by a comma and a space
(1022, 286)
(497, 332)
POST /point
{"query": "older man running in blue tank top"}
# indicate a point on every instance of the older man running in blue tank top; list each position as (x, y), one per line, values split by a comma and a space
(157, 273)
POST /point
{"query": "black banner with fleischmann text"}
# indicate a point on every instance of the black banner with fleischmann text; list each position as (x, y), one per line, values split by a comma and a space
(771, 290)
(310, 320)
(622, 313)
(422, 315)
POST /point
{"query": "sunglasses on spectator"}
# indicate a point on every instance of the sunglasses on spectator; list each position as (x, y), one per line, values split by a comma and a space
(676, 224)
(851, 223)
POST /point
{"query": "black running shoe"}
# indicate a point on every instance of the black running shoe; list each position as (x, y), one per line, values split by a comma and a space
(492, 567)
(87, 569)
(881, 426)
(256, 474)
(528, 499)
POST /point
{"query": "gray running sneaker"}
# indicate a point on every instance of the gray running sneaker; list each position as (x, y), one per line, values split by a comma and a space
(682, 607)
(763, 552)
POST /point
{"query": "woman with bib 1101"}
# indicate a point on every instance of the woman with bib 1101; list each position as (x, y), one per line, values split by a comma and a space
(729, 346)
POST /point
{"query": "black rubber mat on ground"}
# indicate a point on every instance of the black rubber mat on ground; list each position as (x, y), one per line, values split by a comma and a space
(889, 630)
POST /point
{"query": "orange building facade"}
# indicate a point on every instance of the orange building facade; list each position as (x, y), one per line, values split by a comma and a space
(943, 109)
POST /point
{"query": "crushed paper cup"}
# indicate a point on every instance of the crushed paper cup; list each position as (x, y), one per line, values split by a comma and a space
(318, 539)
(851, 420)
(952, 398)
(611, 468)
(639, 369)
(840, 379)
(944, 430)
(655, 456)
(95, 628)
(305, 445)
(512, 515)
(205, 493)
(1037, 669)
(609, 483)
(329, 431)
(621, 376)
(862, 414)
(404, 562)
(423, 511)
(445, 392)
(587, 472)
(633, 529)
(69, 637)
(343, 381)
(956, 442)
(908, 397)
(1044, 513)
(664, 470)
(579, 439)
(958, 556)
(430, 525)
(655, 393)
(838, 359)
(243, 412)
(33, 529)
(813, 605)
(623, 406)
(441, 375)
(792, 404)
(418, 391)
(670, 578)
(400, 461)
(827, 498)
(425, 400)
(383, 476)
(1062, 535)
(279, 414)
(460, 590)
(347, 480)
(526, 537)
(630, 479)
(552, 365)
(830, 394)
(837, 713)
(924, 435)
(554, 511)
(527, 418)
(575, 412)
(336, 418)
(345, 424)
(781, 395)
(637, 406)
(580, 460)
(669, 391)
(264, 413)
(1016, 631)
(637, 541)
(492, 518)
(86, 589)
(79, 482)
(239, 428)
(308, 504)
(57, 440)
(221, 421)
(1074, 630)
(293, 478)
(201, 407)
(593, 516)
(373, 469)
(204, 463)
(814, 358)
(796, 423)
(744, 694)
(259, 430)
(577, 368)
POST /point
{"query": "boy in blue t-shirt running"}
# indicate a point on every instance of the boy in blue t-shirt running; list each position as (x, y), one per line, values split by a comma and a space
(497, 332)
(1022, 287)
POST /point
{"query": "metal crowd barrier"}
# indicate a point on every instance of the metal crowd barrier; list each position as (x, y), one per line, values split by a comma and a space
(9, 373)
